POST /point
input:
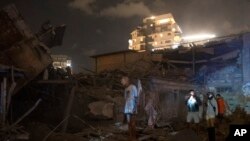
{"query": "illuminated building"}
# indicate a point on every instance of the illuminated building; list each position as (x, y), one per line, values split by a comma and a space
(156, 32)
(61, 61)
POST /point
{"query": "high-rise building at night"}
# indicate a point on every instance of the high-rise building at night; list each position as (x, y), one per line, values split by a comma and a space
(156, 33)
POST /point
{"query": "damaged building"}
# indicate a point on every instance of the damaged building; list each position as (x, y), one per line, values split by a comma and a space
(24, 56)
(220, 65)
(41, 103)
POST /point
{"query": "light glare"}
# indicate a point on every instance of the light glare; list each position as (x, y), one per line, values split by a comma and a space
(199, 37)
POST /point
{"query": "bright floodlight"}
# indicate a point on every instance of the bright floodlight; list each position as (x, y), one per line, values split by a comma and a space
(152, 17)
(199, 37)
(68, 64)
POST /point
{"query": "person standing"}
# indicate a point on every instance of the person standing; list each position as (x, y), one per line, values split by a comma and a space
(221, 107)
(193, 102)
(211, 113)
(151, 111)
(201, 107)
(130, 108)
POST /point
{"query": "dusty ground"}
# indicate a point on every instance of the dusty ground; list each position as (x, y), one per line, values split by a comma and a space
(109, 130)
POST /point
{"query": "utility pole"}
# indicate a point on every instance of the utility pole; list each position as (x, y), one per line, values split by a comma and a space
(193, 56)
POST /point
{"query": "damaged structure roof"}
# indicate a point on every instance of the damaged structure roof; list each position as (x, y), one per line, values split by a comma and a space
(23, 49)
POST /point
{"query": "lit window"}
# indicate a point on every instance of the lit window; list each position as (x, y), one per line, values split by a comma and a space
(130, 42)
(161, 35)
(152, 17)
(163, 21)
(177, 38)
(141, 39)
(151, 25)
(173, 29)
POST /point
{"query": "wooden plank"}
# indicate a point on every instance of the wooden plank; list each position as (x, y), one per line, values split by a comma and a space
(1, 106)
(24, 115)
(54, 81)
(186, 62)
(3, 98)
(68, 108)
(227, 56)
(11, 67)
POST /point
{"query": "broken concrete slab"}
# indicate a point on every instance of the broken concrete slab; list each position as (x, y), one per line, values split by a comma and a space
(20, 47)
(102, 108)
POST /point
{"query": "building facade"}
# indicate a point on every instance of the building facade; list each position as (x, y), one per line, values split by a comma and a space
(156, 33)
(61, 61)
(118, 60)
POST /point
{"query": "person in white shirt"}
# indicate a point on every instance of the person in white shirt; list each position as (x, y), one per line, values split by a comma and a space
(130, 108)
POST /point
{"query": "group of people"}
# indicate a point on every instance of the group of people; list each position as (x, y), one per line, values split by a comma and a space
(207, 106)
(210, 107)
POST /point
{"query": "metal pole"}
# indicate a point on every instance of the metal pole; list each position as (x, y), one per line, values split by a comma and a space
(193, 55)
(1, 104)
(11, 90)
(4, 99)
(68, 108)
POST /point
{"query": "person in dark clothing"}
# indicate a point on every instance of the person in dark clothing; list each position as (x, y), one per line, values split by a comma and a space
(211, 113)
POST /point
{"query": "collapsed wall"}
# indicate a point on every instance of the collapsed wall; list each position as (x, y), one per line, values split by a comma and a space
(21, 48)
(229, 75)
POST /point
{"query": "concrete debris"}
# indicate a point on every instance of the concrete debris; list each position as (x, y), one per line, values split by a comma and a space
(187, 135)
(102, 108)
(20, 47)
(95, 100)
(102, 105)
(124, 127)
(24, 55)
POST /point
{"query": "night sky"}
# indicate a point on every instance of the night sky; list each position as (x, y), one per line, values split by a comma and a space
(100, 26)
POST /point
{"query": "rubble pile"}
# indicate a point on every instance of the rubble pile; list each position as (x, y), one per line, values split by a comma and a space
(24, 55)
(239, 116)
(98, 108)
(104, 92)
(87, 106)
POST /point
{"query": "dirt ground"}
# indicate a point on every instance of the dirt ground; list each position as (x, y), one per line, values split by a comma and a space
(110, 130)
